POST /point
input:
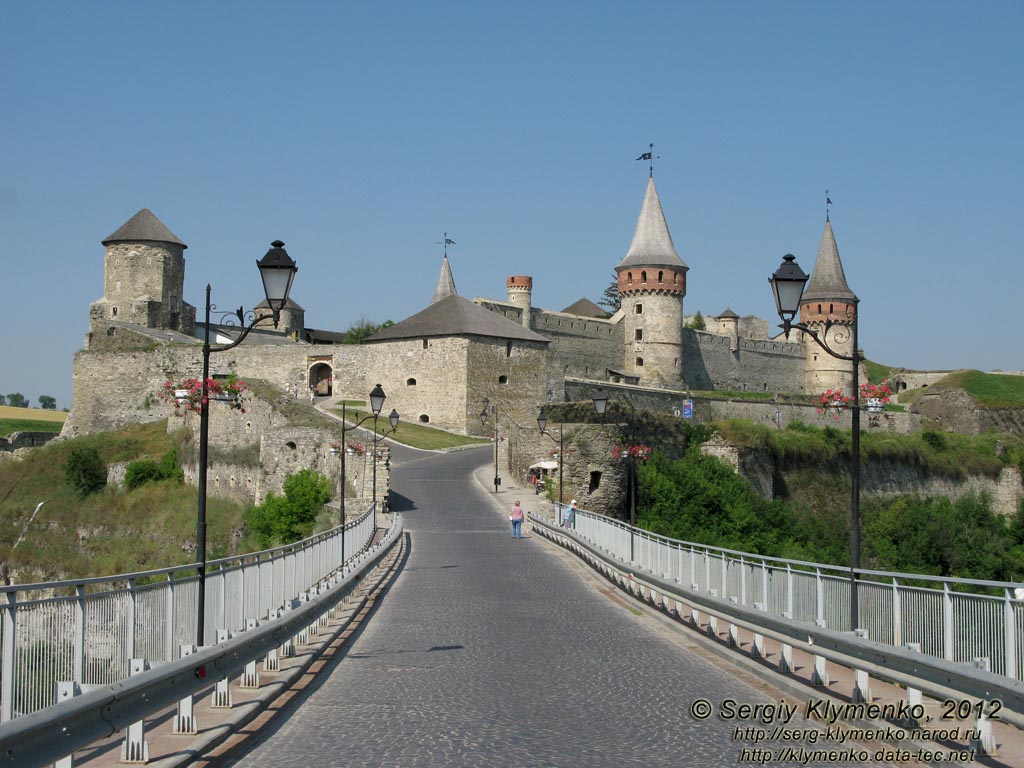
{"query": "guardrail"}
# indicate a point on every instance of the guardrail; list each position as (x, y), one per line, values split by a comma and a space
(50, 734)
(951, 619)
(86, 631)
(916, 672)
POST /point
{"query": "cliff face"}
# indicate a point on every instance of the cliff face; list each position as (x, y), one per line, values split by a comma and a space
(948, 409)
(883, 480)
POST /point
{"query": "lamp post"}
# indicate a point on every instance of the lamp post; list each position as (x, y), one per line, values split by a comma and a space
(788, 286)
(493, 409)
(377, 398)
(542, 422)
(393, 417)
(600, 399)
(277, 271)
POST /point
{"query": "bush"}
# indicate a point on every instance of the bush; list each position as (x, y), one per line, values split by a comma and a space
(85, 470)
(139, 473)
(281, 520)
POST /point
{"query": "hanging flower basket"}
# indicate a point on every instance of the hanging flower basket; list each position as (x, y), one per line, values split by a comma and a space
(626, 451)
(875, 396)
(833, 402)
(187, 395)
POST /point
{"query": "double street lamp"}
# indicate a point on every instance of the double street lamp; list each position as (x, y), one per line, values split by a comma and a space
(277, 271)
(493, 410)
(788, 286)
(377, 398)
(600, 399)
(542, 422)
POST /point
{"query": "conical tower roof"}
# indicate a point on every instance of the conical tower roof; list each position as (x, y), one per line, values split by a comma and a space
(445, 282)
(652, 244)
(828, 281)
(143, 226)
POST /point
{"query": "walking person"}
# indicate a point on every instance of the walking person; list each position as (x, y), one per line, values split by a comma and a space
(516, 516)
(569, 515)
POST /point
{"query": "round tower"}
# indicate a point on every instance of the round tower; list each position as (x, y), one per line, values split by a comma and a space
(652, 284)
(829, 303)
(144, 276)
(520, 293)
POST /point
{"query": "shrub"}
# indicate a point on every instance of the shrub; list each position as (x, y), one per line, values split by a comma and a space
(85, 470)
(283, 519)
(139, 473)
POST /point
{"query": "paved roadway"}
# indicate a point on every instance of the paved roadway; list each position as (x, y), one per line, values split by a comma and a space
(491, 651)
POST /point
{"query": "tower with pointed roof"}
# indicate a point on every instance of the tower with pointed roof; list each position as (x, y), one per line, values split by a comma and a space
(652, 284)
(144, 277)
(828, 303)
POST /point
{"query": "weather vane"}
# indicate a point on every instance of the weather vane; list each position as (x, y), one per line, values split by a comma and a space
(649, 156)
(446, 242)
(828, 202)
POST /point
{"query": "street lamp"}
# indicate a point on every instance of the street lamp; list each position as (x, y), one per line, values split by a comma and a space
(788, 286)
(542, 422)
(493, 409)
(377, 398)
(600, 398)
(277, 271)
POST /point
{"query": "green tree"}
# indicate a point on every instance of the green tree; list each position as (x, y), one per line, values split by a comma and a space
(3, 399)
(48, 403)
(611, 298)
(363, 329)
(139, 473)
(283, 519)
(697, 323)
(85, 470)
(17, 400)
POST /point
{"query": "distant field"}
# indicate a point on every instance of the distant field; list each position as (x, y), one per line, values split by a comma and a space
(31, 414)
(29, 420)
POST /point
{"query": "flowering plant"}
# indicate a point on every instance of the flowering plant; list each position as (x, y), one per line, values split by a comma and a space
(356, 447)
(876, 395)
(625, 451)
(187, 395)
(833, 401)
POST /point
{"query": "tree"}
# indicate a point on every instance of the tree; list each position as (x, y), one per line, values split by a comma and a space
(48, 403)
(3, 399)
(697, 323)
(611, 298)
(288, 518)
(362, 329)
(17, 400)
(85, 470)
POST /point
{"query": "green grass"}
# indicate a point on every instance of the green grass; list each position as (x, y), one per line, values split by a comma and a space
(111, 531)
(990, 390)
(7, 426)
(415, 435)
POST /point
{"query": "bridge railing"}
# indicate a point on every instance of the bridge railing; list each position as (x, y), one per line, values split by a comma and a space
(86, 631)
(953, 619)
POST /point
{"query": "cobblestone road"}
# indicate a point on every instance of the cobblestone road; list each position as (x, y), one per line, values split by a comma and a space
(490, 651)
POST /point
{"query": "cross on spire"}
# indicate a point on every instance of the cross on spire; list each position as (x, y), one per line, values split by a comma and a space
(649, 156)
(446, 242)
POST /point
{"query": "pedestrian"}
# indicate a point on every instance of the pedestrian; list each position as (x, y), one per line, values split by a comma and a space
(516, 516)
(569, 515)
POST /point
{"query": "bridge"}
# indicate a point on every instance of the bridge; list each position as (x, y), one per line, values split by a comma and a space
(443, 640)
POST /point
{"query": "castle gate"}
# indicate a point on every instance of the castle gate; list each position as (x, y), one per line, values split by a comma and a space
(320, 375)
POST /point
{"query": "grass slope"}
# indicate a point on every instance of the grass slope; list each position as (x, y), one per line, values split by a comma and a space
(111, 531)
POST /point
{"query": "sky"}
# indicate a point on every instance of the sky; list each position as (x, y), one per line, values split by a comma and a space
(361, 133)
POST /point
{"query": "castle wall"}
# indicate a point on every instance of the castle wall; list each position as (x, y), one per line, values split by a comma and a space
(511, 374)
(755, 365)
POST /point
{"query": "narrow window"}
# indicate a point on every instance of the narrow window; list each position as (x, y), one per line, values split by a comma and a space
(629, 278)
(424, 419)
(410, 382)
(639, 309)
(508, 349)
(831, 309)
(424, 343)
(819, 309)
(503, 379)
(113, 311)
(643, 277)
(639, 362)
(638, 334)
(661, 277)
(595, 481)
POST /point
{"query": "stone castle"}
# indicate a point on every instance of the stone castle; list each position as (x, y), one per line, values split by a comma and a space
(438, 365)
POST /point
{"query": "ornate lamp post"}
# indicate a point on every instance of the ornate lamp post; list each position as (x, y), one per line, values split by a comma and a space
(377, 398)
(492, 409)
(542, 422)
(393, 417)
(277, 271)
(788, 287)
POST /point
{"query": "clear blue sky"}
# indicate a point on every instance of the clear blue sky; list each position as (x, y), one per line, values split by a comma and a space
(359, 133)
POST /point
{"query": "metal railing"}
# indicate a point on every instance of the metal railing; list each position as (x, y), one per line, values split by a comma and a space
(956, 620)
(87, 630)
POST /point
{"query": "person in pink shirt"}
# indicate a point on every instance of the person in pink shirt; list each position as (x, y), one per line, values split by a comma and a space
(516, 516)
